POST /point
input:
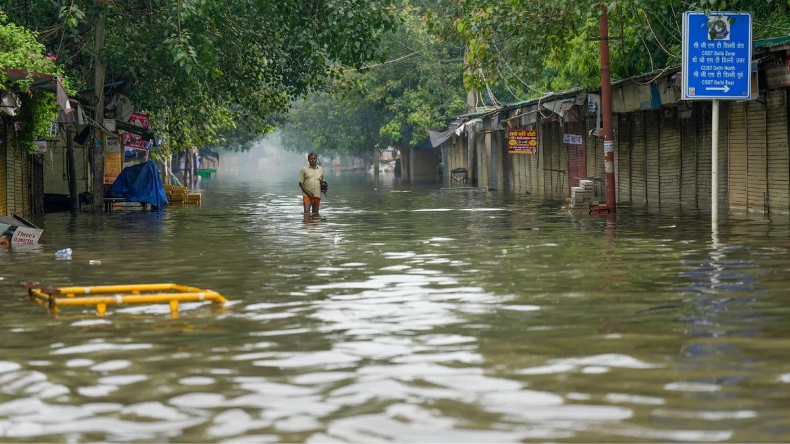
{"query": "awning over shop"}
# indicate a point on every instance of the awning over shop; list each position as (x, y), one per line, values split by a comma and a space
(42, 82)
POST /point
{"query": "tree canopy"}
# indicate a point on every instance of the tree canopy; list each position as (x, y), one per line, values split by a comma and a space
(210, 71)
(20, 49)
(391, 102)
(530, 47)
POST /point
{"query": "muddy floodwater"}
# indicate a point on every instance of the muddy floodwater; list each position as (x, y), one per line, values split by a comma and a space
(415, 316)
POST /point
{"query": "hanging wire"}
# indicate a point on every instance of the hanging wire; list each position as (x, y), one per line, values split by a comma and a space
(504, 80)
(514, 72)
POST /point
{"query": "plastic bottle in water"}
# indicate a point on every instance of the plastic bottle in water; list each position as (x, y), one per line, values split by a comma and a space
(64, 253)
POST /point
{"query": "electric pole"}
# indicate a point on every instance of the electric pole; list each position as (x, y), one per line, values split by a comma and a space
(606, 112)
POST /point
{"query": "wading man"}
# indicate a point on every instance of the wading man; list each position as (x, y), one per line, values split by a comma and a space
(310, 182)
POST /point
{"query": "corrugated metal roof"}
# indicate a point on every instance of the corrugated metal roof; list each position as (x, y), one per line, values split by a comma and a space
(773, 41)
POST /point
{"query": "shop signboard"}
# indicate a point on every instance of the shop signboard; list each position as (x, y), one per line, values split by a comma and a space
(135, 141)
(522, 141)
(573, 139)
(113, 159)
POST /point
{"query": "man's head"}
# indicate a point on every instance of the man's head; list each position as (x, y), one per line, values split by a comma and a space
(312, 159)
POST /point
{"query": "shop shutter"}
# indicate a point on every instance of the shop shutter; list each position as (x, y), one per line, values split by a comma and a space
(777, 152)
(27, 190)
(624, 158)
(481, 162)
(736, 170)
(508, 166)
(3, 173)
(563, 171)
(688, 163)
(523, 173)
(652, 150)
(577, 164)
(669, 157)
(638, 159)
(757, 171)
(545, 167)
(11, 174)
(616, 140)
(703, 155)
(589, 144)
(724, 137)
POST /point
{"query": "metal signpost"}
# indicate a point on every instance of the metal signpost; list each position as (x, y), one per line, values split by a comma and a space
(717, 65)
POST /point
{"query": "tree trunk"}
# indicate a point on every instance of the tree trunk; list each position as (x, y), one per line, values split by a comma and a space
(98, 150)
(71, 168)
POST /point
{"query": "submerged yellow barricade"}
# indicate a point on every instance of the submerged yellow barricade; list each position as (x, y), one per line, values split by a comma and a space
(103, 295)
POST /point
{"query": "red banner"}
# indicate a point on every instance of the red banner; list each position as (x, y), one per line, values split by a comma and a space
(131, 140)
(522, 141)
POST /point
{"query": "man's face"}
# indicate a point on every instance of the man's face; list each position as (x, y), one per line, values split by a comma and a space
(312, 160)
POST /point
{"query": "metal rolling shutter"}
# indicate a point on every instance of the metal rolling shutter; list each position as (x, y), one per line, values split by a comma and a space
(562, 178)
(3, 176)
(724, 136)
(616, 139)
(589, 144)
(652, 149)
(624, 158)
(482, 161)
(26, 165)
(688, 162)
(736, 170)
(11, 179)
(669, 158)
(539, 164)
(560, 162)
(546, 153)
(638, 159)
(703, 155)
(756, 166)
(777, 152)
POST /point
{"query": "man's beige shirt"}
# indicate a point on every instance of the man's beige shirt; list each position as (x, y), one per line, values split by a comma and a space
(311, 179)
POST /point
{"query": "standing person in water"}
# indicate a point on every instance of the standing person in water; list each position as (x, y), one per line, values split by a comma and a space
(310, 182)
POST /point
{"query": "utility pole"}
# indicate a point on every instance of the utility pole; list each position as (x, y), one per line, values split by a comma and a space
(606, 112)
(98, 150)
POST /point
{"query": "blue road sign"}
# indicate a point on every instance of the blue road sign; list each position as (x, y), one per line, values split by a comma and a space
(717, 56)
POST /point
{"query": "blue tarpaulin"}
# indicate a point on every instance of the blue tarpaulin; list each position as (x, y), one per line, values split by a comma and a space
(140, 183)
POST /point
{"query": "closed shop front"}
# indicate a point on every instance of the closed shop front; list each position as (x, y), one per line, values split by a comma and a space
(777, 123)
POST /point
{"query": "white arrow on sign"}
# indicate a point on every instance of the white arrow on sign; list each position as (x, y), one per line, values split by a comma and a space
(724, 88)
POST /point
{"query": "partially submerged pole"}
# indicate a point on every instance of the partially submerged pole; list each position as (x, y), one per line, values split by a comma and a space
(606, 112)
(714, 166)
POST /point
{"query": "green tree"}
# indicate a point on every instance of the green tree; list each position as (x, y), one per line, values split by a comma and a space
(393, 102)
(210, 71)
(20, 50)
(535, 46)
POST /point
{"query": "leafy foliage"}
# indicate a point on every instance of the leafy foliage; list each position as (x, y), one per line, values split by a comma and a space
(210, 71)
(534, 46)
(19, 49)
(394, 102)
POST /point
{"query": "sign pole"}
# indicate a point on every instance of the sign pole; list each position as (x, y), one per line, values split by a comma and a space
(716, 65)
(714, 166)
(606, 111)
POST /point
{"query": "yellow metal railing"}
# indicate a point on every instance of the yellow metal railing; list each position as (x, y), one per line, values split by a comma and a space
(103, 295)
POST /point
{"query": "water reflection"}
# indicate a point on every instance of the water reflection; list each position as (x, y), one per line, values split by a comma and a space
(420, 317)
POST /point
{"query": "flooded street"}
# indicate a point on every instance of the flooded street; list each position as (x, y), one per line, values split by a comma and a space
(413, 317)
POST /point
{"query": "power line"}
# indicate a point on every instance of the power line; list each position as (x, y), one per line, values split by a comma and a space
(514, 72)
